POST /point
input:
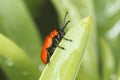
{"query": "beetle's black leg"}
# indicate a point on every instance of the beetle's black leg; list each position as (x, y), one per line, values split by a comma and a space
(48, 55)
(61, 47)
(67, 39)
(55, 41)
(48, 58)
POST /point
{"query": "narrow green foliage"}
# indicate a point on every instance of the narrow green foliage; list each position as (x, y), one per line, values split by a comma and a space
(16, 23)
(16, 64)
(77, 10)
(108, 62)
(64, 64)
(118, 72)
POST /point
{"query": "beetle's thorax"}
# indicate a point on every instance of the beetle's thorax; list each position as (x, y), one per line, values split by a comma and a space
(61, 33)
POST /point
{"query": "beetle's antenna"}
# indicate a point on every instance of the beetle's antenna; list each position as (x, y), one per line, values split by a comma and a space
(65, 17)
(65, 23)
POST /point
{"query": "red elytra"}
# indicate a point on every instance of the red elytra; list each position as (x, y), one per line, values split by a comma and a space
(47, 43)
(52, 41)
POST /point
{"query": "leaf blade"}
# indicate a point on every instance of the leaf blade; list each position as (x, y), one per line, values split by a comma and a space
(15, 63)
(16, 23)
(62, 60)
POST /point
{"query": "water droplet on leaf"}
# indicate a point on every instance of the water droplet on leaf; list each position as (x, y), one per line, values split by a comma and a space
(25, 73)
(9, 62)
(41, 67)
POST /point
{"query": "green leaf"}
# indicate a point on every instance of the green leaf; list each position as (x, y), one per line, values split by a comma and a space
(110, 23)
(67, 6)
(115, 44)
(107, 13)
(64, 64)
(16, 23)
(107, 59)
(89, 66)
(77, 10)
(118, 72)
(16, 64)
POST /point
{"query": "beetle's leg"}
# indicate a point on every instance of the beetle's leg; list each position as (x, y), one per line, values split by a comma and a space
(48, 58)
(55, 41)
(48, 55)
(61, 47)
(67, 39)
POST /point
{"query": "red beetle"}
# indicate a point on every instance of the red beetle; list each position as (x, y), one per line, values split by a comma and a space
(52, 41)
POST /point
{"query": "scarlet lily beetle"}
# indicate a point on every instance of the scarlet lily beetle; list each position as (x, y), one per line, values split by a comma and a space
(52, 41)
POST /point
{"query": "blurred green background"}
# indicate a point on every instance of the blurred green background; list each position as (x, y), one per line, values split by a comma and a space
(25, 23)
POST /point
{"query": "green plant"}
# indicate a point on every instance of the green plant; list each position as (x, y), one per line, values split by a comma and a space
(94, 29)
